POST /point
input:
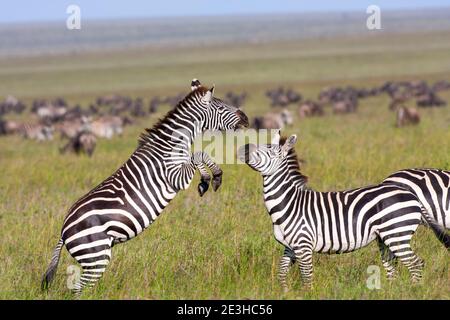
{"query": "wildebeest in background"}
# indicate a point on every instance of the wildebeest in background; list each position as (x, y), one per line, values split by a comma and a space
(310, 108)
(84, 142)
(11, 104)
(441, 85)
(273, 120)
(154, 104)
(407, 116)
(344, 106)
(282, 97)
(235, 99)
(430, 99)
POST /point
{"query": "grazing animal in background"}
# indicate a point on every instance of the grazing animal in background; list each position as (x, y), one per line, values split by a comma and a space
(344, 107)
(11, 104)
(310, 109)
(85, 141)
(130, 200)
(307, 221)
(282, 97)
(71, 128)
(36, 131)
(432, 188)
(430, 99)
(273, 120)
(33, 131)
(407, 116)
(10, 127)
(107, 126)
(235, 99)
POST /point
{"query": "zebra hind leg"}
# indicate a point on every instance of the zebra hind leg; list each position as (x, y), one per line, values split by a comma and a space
(286, 261)
(94, 265)
(388, 259)
(403, 251)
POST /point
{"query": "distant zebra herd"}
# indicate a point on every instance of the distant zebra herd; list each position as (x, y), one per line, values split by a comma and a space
(304, 221)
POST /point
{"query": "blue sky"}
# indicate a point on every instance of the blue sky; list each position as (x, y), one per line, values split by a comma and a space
(54, 10)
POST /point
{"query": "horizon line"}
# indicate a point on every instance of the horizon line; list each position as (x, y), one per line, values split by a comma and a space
(220, 15)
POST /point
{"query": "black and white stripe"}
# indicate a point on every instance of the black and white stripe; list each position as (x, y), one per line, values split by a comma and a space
(432, 188)
(307, 221)
(130, 200)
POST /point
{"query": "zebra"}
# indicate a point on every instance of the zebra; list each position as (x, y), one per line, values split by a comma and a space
(307, 221)
(432, 188)
(132, 198)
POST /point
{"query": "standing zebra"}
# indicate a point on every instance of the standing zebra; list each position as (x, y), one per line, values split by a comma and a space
(127, 202)
(306, 221)
(432, 188)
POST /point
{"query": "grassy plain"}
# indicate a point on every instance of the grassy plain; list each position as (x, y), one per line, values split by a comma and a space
(221, 246)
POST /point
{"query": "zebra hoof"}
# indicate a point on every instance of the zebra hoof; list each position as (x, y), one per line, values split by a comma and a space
(216, 182)
(202, 188)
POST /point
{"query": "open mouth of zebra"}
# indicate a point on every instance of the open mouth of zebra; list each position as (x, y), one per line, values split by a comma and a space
(243, 120)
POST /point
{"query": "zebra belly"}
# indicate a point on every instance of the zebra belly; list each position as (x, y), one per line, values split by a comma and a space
(324, 245)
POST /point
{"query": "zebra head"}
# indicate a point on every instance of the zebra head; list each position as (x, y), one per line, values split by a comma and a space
(268, 158)
(217, 115)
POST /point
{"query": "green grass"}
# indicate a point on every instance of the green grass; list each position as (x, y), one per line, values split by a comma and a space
(221, 245)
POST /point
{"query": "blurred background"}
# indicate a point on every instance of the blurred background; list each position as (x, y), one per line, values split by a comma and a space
(364, 102)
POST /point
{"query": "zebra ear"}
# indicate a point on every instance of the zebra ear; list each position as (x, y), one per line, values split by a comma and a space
(276, 137)
(208, 95)
(195, 84)
(289, 144)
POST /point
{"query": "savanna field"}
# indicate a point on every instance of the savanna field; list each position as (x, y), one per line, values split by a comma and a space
(221, 246)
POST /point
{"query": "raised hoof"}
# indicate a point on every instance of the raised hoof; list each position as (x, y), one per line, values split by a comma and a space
(202, 188)
(216, 182)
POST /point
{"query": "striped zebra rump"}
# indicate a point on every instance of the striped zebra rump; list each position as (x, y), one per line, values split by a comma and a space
(432, 188)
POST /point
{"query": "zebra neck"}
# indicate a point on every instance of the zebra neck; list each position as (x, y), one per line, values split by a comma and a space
(280, 189)
(175, 133)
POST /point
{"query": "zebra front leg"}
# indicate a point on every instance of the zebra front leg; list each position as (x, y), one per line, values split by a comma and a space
(202, 160)
(304, 257)
(205, 179)
(388, 259)
(285, 263)
(205, 159)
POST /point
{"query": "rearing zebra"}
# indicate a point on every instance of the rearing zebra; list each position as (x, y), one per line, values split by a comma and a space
(432, 188)
(306, 221)
(127, 202)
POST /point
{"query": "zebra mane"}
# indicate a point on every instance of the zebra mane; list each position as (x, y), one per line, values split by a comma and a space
(145, 136)
(294, 164)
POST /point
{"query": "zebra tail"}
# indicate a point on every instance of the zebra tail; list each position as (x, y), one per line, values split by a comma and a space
(51, 270)
(441, 234)
(439, 231)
